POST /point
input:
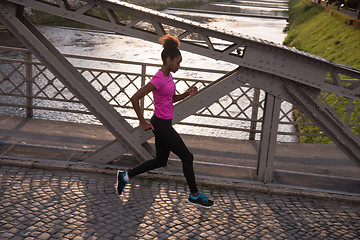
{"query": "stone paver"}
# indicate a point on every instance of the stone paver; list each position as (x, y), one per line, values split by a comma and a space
(55, 204)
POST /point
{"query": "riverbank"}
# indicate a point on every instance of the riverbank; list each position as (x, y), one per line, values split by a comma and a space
(322, 32)
(318, 31)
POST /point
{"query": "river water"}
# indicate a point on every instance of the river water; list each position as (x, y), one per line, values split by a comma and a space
(108, 45)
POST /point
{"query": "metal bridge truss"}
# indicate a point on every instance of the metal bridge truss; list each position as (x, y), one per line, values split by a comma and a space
(282, 72)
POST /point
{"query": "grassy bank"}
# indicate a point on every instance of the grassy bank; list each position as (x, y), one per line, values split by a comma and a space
(327, 34)
(318, 31)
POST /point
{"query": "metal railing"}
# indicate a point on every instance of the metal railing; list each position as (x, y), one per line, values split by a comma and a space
(28, 88)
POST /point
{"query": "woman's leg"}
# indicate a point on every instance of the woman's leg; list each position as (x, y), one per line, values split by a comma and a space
(161, 159)
(166, 140)
(162, 151)
(178, 147)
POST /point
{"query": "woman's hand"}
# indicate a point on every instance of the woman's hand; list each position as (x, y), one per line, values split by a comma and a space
(193, 90)
(146, 126)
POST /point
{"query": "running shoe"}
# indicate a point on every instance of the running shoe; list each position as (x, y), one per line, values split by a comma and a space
(120, 182)
(201, 200)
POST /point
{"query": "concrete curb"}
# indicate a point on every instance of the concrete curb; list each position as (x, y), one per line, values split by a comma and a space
(212, 182)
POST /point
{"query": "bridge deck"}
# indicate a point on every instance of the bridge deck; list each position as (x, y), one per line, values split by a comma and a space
(303, 165)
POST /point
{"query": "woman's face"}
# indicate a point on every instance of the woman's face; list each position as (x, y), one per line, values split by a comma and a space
(174, 64)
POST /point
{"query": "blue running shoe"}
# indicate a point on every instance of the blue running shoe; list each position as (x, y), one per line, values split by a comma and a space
(201, 200)
(120, 182)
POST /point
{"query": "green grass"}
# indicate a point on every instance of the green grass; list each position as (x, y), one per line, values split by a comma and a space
(328, 34)
(315, 30)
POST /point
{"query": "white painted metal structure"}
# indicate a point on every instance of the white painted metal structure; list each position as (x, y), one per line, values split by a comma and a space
(282, 72)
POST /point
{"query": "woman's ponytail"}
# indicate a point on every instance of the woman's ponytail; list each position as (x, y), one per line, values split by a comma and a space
(171, 45)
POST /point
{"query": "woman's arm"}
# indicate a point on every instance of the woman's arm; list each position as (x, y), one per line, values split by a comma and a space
(189, 92)
(142, 92)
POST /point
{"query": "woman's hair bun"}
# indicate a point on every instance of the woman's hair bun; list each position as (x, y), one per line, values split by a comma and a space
(169, 41)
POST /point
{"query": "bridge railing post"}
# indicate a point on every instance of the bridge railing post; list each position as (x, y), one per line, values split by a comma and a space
(143, 78)
(268, 138)
(254, 113)
(29, 84)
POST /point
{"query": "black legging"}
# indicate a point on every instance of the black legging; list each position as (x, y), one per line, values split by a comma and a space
(166, 140)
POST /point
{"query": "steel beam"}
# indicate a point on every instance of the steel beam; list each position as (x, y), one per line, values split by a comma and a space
(268, 138)
(306, 99)
(309, 103)
(11, 16)
(260, 55)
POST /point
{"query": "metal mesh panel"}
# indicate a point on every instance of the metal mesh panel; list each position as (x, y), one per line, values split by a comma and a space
(27, 86)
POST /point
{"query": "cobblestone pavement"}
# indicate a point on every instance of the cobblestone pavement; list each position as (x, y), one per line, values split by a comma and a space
(56, 204)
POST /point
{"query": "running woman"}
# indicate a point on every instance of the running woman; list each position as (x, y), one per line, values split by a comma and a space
(166, 138)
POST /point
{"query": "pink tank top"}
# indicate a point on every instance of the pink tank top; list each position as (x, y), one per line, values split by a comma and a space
(163, 95)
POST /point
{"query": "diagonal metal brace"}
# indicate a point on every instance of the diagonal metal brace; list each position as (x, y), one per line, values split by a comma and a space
(319, 113)
(12, 17)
